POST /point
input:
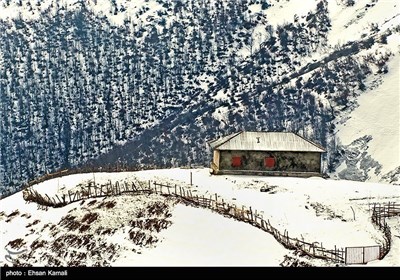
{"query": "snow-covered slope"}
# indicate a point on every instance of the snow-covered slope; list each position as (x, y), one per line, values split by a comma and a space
(378, 115)
(376, 119)
(334, 213)
(350, 23)
(134, 83)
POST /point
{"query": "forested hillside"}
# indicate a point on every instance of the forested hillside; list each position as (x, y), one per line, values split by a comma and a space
(148, 83)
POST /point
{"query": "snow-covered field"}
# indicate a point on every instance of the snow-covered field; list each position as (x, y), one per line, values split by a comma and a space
(315, 209)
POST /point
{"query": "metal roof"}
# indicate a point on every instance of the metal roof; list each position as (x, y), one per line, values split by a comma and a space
(265, 141)
(219, 141)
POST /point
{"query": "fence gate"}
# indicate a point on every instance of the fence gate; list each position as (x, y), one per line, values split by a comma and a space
(362, 255)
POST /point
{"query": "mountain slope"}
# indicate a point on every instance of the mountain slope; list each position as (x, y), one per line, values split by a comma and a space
(147, 83)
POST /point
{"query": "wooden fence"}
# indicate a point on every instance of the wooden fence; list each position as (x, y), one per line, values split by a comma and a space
(78, 170)
(82, 170)
(213, 202)
(240, 213)
(86, 192)
(379, 214)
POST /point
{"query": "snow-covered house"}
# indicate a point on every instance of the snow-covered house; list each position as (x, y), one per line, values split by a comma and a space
(266, 153)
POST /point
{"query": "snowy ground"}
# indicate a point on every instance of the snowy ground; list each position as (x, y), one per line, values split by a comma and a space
(315, 209)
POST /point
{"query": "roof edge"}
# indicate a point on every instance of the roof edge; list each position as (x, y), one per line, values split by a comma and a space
(233, 135)
(311, 142)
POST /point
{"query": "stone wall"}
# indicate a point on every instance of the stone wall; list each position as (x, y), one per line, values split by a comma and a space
(284, 161)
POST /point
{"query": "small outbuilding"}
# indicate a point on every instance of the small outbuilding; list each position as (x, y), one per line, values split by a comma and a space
(266, 153)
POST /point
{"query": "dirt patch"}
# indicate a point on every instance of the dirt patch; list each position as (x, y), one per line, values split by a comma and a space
(268, 189)
(324, 211)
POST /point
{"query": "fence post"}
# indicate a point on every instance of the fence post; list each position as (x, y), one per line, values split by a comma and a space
(49, 199)
(58, 198)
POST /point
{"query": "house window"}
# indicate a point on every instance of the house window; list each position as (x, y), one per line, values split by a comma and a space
(236, 161)
(269, 162)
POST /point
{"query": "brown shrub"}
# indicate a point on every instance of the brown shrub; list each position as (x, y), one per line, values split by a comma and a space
(69, 222)
(90, 203)
(35, 222)
(107, 204)
(156, 208)
(154, 224)
(141, 238)
(26, 215)
(38, 244)
(138, 237)
(140, 213)
(90, 218)
(84, 228)
(17, 243)
(108, 231)
(15, 213)
(65, 241)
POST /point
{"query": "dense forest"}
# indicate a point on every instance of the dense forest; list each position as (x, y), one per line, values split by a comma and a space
(78, 90)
